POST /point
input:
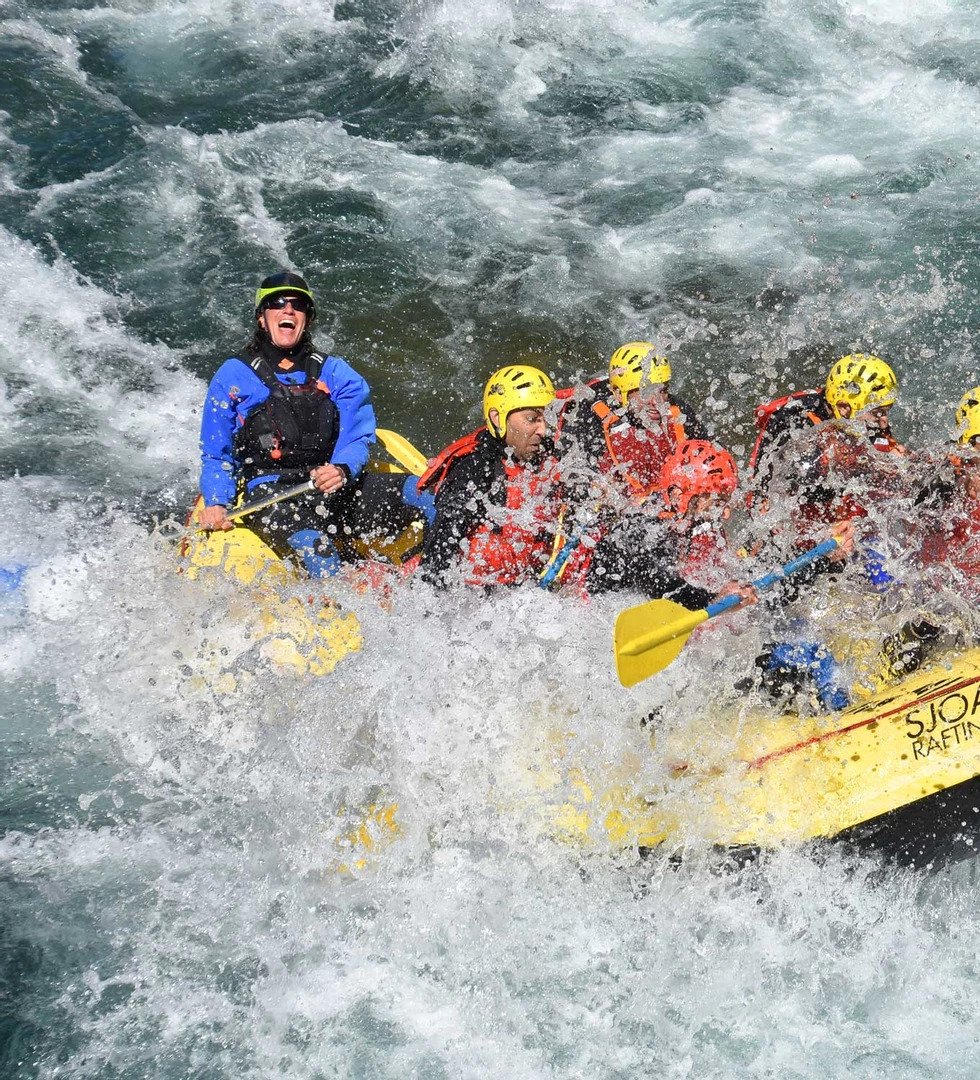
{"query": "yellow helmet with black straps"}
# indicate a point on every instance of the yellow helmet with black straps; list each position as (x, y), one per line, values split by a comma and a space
(519, 386)
(860, 381)
(633, 363)
(968, 417)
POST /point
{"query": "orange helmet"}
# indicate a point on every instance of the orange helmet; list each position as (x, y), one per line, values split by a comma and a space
(697, 467)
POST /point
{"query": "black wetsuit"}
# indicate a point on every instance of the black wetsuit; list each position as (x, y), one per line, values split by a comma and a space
(472, 484)
(794, 417)
(629, 558)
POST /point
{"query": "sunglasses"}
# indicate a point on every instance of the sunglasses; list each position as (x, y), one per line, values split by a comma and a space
(301, 304)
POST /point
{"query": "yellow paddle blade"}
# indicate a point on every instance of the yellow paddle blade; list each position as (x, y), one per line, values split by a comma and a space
(650, 636)
(403, 452)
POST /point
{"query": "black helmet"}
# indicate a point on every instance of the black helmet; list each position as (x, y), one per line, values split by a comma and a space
(284, 281)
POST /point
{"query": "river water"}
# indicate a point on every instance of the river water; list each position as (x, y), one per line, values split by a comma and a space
(762, 185)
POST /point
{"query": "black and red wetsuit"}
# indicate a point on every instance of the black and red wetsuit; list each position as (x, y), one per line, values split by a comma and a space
(613, 443)
(496, 518)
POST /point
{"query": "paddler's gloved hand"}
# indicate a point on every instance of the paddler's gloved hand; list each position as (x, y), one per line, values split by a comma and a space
(214, 518)
(329, 478)
(746, 593)
(843, 533)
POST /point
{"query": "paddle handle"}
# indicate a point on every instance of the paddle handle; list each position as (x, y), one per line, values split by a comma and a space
(557, 564)
(270, 500)
(770, 579)
(399, 448)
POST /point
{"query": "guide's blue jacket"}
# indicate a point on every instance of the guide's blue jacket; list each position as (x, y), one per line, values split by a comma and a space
(235, 390)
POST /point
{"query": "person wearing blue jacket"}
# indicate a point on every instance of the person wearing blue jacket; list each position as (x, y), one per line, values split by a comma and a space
(280, 412)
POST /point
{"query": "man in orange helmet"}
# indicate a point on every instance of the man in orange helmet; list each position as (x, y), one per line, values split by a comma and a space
(683, 554)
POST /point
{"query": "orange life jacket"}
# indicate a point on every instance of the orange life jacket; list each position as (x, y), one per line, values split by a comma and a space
(635, 453)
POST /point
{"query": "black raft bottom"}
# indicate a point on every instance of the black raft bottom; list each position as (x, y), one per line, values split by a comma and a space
(929, 833)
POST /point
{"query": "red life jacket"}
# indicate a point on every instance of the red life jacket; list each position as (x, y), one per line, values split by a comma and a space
(812, 517)
(433, 477)
(518, 545)
(764, 413)
(636, 454)
(707, 560)
(956, 542)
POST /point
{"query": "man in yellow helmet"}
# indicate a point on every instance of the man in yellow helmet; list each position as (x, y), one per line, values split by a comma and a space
(833, 474)
(627, 425)
(860, 390)
(822, 460)
(951, 504)
(497, 493)
(945, 536)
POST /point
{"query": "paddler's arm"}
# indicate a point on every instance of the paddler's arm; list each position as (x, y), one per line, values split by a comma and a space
(219, 420)
(655, 574)
(352, 396)
(788, 590)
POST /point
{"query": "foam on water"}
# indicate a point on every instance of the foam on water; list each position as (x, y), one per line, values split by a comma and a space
(89, 401)
(777, 140)
(201, 923)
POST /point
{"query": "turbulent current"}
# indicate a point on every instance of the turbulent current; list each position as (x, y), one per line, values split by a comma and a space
(760, 186)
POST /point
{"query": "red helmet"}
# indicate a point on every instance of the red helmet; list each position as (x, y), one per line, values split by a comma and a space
(697, 467)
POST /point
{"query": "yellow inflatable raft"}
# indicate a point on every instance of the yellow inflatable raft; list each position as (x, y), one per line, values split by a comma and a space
(899, 773)
(309, 634)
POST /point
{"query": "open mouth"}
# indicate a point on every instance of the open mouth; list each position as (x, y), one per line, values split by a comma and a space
(287, 323)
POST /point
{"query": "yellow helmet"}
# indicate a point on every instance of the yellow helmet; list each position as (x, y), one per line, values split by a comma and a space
(517, 387)
(862, 382)
(968, 417)
(630, 362)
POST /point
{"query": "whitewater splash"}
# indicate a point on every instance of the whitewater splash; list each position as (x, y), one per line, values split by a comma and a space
(193, 901)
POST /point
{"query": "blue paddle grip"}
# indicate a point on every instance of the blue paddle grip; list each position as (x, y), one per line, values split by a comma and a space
(793, 565)
(722, 605)
(773, 576)
(558, 563)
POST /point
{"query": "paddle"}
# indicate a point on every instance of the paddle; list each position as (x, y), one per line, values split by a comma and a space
(396, 445)
(270, 500)
(650, 636)
(556, 564)
(403, 451)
